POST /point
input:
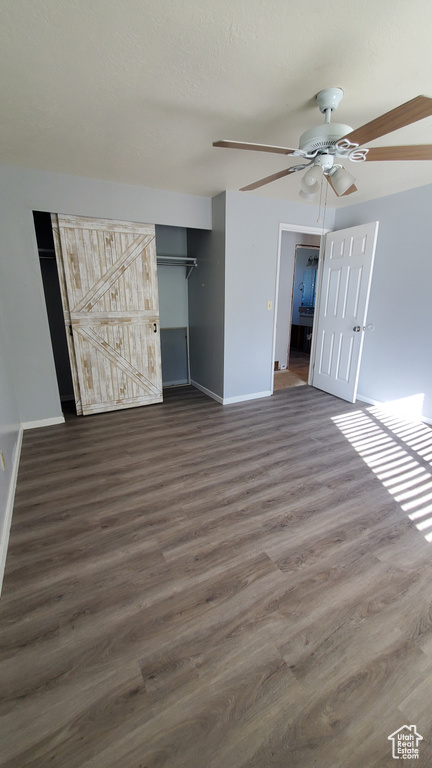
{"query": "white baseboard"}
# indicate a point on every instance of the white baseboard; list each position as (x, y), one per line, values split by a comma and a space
(243, 398)
(207, 392)
(229, 400)
(43, 422)
(364, 399)
(4, 533)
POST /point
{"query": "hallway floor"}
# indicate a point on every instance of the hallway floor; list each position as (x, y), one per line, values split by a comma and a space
(297, 373)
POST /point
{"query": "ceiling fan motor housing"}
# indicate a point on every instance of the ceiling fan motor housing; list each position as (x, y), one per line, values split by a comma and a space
(323, 137)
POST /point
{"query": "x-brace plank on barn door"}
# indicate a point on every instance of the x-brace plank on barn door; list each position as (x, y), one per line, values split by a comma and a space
(115, 357)
(111, 275)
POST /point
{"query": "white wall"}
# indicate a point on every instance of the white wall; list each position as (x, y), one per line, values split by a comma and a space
(252, 238)
(397, 354)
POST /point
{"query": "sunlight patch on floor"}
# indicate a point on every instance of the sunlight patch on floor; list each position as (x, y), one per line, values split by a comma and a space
(397, 449)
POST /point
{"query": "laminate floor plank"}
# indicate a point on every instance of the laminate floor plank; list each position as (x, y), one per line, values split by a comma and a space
(195, 585)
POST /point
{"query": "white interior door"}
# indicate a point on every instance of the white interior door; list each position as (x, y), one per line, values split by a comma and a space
(340, 323)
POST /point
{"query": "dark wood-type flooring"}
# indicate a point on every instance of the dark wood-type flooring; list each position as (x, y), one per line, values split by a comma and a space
(197, 586)
(299, 363)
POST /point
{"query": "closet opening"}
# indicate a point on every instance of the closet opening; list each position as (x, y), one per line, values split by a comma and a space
(51, 286)
(174, 268)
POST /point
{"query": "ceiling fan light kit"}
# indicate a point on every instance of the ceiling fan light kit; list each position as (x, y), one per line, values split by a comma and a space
(321, 146)
(311, 181)
(341, 180)
(309, 196)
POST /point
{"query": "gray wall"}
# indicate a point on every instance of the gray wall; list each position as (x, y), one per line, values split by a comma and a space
(397, 354)
(171, 241)
(252, 238)
(207, 301)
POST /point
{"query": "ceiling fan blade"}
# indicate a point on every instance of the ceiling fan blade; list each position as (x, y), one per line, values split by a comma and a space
(268, 179)
(407, 113)
(349, 191)
(254, 147)
(414, 152)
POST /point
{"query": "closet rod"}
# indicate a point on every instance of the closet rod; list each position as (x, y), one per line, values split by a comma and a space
(184, 259)
(178, 261)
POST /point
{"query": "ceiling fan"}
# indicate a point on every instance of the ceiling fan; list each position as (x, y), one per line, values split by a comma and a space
(322, 147)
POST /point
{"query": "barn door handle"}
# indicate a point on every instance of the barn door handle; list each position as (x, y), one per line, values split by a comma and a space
(356, 328)
(155, 327)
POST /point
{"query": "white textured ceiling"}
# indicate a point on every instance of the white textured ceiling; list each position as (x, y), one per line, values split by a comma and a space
(137, 90)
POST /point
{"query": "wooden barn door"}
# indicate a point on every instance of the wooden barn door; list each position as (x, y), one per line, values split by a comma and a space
(108, 281)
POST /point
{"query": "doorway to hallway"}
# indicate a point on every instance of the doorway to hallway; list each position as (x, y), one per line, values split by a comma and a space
(298, 268)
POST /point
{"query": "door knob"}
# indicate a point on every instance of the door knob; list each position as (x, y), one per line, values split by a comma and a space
(356, 328)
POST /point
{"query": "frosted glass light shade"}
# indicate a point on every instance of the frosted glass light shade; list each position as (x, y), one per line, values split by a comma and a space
(342, 180)
(313, 176)
(310, 182)
(309, 196)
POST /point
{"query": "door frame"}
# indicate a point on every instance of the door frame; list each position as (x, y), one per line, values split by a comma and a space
(299, 229)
